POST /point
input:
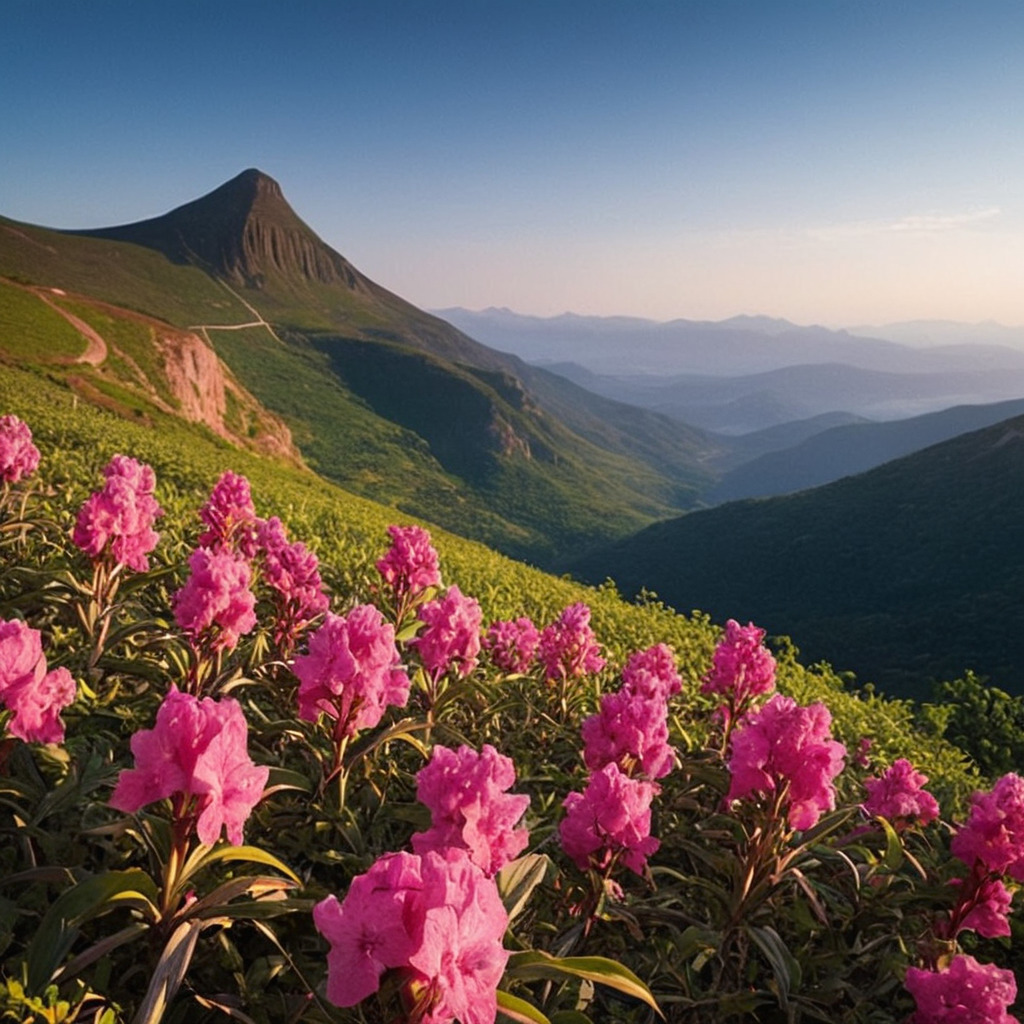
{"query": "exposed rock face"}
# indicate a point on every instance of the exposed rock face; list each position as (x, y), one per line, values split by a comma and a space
(243, 231)
(210, 395)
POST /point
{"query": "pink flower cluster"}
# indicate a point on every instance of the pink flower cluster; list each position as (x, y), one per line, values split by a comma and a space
(652, 673)
(34, 696)
(196, 752)
(451, 639)
(966, 992)
(215, 607)
(512, 644)
(899, 797)
(631, 731)
(568, 647)
(411, 564)
(787, 749)
(118, 519)
(437, 919)
(293, 573)
(352, 671)
(994, 832)
(19, 457)
(610, 819)
(742, 669)
(470, 808)
(230, 516)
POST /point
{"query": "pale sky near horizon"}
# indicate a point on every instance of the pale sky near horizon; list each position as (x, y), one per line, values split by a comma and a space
(823, 161)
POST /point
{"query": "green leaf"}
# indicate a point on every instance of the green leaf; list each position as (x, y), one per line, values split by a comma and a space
(517, 880)
(519, 1009)
(169, 972)
(534, 964)
(893, 858)
(783, 964)
(89, 898)
(202, 857)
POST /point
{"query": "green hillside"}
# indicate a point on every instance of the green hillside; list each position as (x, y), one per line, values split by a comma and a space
(905, 575)
(380, 396)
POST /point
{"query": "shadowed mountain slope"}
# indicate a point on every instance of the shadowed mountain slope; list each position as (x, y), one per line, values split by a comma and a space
(906, 574)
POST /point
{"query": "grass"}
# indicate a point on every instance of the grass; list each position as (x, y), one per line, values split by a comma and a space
(30, 329)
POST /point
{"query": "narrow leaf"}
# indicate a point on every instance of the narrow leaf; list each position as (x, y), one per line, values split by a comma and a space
(534, 964)
(519, 1009)
(517, 880)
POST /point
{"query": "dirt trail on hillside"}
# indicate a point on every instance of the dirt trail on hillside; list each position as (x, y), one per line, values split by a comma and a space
(95, 353)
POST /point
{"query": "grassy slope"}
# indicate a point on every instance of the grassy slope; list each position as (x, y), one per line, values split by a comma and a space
(349, 533)
(906, 574)
(544, 507)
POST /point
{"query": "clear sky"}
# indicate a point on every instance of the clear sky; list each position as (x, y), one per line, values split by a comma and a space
(824, 161)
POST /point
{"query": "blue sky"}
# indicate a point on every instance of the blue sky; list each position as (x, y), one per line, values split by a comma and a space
(831, 162)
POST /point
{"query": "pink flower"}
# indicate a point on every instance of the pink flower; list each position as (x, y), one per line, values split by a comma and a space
(19, 457)
(630, 731)
(230, 516)
(34, 696)
(611, 817)
(898, 795)
(568, 647)
(411, 564)
(984, 907)
(198, 750)
(994, 832)
(469, 806)
(459, 959)
(373, 929)
(436, 918)
(784, 747)
(512, 644)
(966, 992)
(118, 519)
(293, 573)
(652, 673)
(742, 668)
(352, 671)
(216, 605)
(451, 640)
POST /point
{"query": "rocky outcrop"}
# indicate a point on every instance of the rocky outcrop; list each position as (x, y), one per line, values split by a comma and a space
(207, 393)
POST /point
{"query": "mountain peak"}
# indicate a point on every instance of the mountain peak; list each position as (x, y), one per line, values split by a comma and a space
(244, 231)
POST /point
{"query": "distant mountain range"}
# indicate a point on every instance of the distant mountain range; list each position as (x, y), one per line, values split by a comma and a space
(903, 575)
(749, 373)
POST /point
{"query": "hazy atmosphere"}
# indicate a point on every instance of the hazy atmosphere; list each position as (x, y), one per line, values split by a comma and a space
(835, 163)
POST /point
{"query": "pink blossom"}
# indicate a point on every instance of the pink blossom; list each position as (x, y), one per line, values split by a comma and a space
(966, 992)
(568, 647)
(198, 750)
(451, 640)
(19, 457)
(783, 747)
(612, 816)
(994, 832)
(411, 564)
(230, 516)
(469, 806)
(631, 731)
(34, 696)
(376, 927)
(897, 795)
(652, 673)
(216, 604)
(436, 918)
(293, 573)
(352, 671)
(118, 519)
(460, 959)
(984, 906)
(512, 644)
(742, 668)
